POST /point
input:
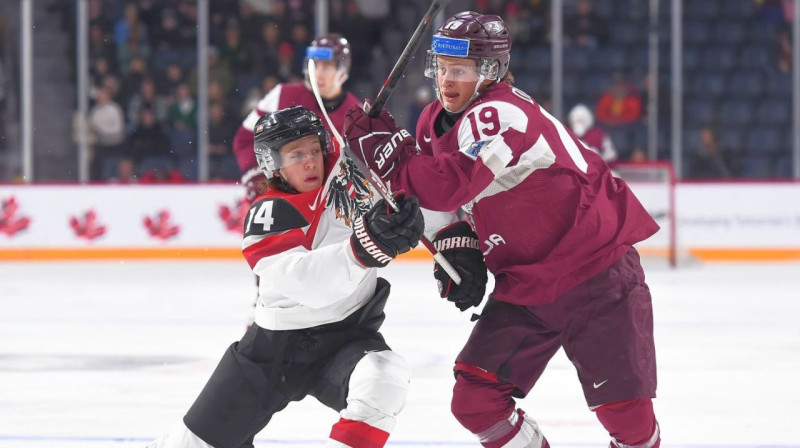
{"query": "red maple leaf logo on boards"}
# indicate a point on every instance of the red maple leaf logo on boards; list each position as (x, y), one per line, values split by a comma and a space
(87, 227)
(233, 217)
(160, 226)
(10, 223)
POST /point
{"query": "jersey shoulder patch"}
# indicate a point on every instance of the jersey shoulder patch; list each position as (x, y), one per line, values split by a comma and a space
(272, 215)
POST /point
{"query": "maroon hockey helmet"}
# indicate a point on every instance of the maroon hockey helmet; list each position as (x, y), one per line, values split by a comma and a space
(469, 34)
(331, 47)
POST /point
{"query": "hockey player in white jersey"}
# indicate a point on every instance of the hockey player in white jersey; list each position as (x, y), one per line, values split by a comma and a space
(320, 302)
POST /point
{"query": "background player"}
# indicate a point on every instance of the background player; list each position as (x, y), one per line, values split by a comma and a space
(555, 227)
(333, 57)
(581, 121)
(320, 302)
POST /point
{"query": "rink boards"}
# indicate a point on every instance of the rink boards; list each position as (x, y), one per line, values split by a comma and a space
(713, 221)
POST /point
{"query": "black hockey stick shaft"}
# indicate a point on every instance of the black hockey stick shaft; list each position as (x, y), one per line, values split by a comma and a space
(405, 58)
(373, 179)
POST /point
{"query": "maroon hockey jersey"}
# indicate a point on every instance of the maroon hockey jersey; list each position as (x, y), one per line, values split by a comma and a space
(281, 97)
(547, 210)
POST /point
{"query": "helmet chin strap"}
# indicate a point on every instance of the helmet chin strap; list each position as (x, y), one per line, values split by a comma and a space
(472, 98)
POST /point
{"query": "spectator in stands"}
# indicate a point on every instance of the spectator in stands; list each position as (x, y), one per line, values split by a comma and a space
(107, 125)
(150, 15)
(167, 36)
(187, 23)
(708, 160)
(98, 17)
(168, 85)
(221, 129)
(133, 48)
(147, 98)
(132, 79)
(771, 11)
(638, 156)
(581, 121)
(233, 51)
(218, 71)
(784, 41)
(149, 143)
(100, 47)
(250, 21)
(620, 105)
(129, 28)
(112, 85)
(182, 114)
(300, 40)
(265, 50)
(584, 28)
(161, 176)
(126, 172)
(361, 39)
(285, 62)
(215, 94)
(100, 69)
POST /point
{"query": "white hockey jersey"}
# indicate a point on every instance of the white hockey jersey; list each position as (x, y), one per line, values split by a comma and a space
(299, 246)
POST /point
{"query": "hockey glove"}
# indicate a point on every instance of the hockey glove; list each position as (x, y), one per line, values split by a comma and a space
(459, 245)
(255, 183)
(378, 141)
(381, 234)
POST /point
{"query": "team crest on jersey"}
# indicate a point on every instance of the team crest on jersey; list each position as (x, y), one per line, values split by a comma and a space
(474, 149)
(349, 193)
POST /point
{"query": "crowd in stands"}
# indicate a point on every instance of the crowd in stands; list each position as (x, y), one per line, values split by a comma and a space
(737, 83)
(733, 125)
(143, 56)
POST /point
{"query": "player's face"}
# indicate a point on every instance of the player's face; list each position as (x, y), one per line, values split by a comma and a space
(456, 79)
(303, 163)
(327, 79)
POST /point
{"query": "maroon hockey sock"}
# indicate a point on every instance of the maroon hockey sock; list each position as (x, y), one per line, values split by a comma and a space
(630, 423)
(358, 434)
(479, 402)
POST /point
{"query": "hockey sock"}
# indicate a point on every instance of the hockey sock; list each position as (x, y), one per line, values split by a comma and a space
(356, 434)
(631, 424)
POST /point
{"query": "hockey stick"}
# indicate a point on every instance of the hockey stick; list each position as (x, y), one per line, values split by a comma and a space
(405, 58)
(371, 177)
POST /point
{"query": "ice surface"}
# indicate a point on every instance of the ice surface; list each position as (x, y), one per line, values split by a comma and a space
(111, 354)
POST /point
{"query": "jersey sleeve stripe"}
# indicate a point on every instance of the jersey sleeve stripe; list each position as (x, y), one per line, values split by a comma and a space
(254, 248)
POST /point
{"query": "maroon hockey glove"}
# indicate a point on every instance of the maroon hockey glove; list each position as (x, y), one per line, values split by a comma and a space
(381, 234)
(378, 141)
(459, 245)
(255, 183)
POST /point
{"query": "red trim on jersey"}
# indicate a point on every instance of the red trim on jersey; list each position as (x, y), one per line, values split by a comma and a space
(275, 244)
(358, 434)
(477, 371)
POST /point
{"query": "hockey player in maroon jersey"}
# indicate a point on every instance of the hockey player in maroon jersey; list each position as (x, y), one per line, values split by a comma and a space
(581, 122)
(552, 224)
(320, 302)
(332, 55)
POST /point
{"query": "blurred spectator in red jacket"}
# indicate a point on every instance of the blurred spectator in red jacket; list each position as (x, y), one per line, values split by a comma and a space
(620, 105)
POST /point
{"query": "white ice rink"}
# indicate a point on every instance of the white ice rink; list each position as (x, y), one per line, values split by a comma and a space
(112, 354)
